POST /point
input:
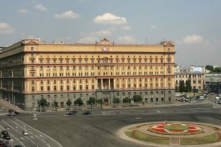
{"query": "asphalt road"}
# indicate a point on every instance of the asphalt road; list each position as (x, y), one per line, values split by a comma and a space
(99, 129)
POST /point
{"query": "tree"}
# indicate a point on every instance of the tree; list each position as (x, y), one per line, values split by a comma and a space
(188, 86)
(209, 67)
(126, 100)
(177, 88)
(78, 102)
(137, 98)
(68, 103)
(100, 101)
(42, 103)
(91, 101)
(217, 70)
(116, 100)
(55, 104)
(181, 86)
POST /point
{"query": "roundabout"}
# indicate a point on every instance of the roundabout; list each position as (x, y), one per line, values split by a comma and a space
(172, 134)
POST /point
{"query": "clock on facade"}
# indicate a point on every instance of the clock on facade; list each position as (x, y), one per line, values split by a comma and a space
(104, 48)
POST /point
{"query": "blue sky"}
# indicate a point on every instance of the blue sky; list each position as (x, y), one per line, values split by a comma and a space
(194, 25)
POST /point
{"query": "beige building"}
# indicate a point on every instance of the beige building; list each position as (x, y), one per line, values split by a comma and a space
(32, 69)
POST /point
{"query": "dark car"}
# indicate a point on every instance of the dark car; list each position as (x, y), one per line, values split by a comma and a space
(86, 113)
(18, 146)
(70, 113)
(7, 137)
(16, 112)
(10, 110)
(4, 132)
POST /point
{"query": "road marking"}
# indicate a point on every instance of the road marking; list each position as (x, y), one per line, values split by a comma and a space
(158, 111)
(37, 136)
(41, 136)
(43, 141)
(22, 138)
(11, 140)
(32, 137)
(48, 145)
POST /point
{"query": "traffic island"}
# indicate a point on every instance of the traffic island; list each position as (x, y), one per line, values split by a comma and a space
(172, 133)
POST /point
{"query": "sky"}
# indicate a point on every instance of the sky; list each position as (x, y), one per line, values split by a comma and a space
(193, 25)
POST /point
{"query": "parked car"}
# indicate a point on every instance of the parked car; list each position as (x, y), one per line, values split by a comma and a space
(18, 146)
(86, 113)
(6, 137)
(25, 132)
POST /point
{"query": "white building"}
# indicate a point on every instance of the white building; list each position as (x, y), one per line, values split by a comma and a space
(193, 73)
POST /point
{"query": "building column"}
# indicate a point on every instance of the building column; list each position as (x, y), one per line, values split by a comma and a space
(101, 83)
(96, 86)
(114, 83)
(109, 83)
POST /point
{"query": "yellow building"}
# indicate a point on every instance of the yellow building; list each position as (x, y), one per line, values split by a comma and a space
(32, 69)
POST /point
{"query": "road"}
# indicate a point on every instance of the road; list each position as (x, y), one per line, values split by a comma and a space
(35, 138)
(100, 128)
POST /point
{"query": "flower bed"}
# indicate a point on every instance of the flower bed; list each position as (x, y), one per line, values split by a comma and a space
(170, 129)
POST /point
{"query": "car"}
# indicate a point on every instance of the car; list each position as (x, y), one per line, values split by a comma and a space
(18, 146)
(16, 112)
(4, 132)
(10, 110)
(6, 137)
(86, 113)
(4, 143)
(70, 113)
(25, 133)
(11, 114)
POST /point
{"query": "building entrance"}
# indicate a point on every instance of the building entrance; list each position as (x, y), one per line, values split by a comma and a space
(106, 102)
(62, 104)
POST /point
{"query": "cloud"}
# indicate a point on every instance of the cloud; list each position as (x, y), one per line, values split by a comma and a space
(6, 29)
(126, 28)
(153, 26)
(23, 11)
(88, 39)
(109, 18)
(40, 7)
(193, 39)
(128, 39)
(103, 32)
(68, 14)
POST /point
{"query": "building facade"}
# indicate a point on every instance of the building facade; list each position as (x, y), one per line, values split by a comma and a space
(196, 75)
(32, 69)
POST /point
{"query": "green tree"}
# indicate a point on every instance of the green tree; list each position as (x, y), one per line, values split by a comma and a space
(217, 70)
(55, 104)
(181, 86)
(116, 100)
(100, 101)
(42, 103)
(78, 102)
(177, 88)
(188, 86)
(209, 67)
(68, 103)
(126, 100)
(91, 101)
(137, 98)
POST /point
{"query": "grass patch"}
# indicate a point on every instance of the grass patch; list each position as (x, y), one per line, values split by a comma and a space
(176, 127)
(129, 133)
(199, 140)
(150, 138)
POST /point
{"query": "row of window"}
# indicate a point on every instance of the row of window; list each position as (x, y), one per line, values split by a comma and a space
(117, 80)
(157, 93)
(104, 67)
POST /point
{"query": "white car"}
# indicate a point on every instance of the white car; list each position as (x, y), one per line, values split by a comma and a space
(25, 133)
